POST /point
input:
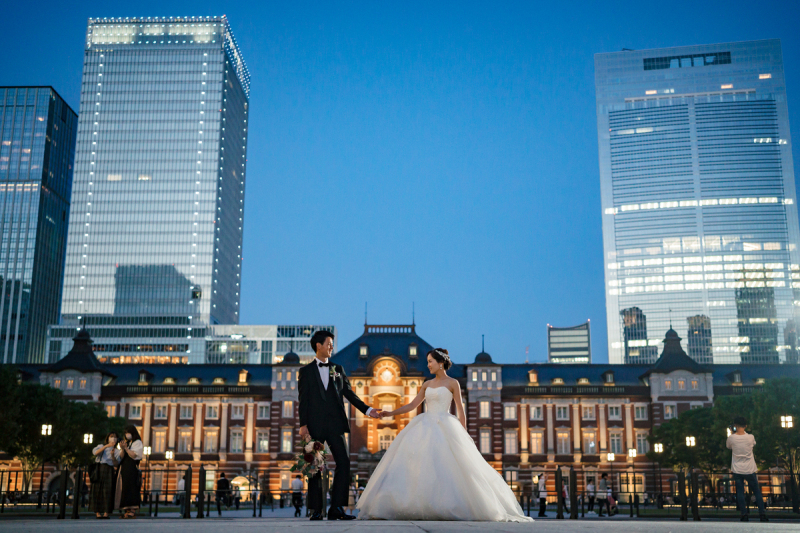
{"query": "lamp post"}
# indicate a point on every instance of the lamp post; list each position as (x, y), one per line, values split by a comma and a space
(147, 451)
(631, 455)
(659, 449)
(787, 422)
(611, 457)
(47, 430)
(88, 438)
(169, 455)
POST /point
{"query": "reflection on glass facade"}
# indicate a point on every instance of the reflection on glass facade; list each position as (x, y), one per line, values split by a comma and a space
(160, 342)
(699, 207)
(37, 147)
(569, 345)
(156, 234)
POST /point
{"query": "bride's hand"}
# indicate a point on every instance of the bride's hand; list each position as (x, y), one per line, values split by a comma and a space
(387, 414)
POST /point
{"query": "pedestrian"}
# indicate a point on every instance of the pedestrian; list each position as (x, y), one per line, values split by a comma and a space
(542, 494)
(590, 494)
(565, 496)
(743, 466)
(237, 496)
(602, 495)
(101, 476)
(297, 495)
(180, 493)
(223, 492)
(127, 495)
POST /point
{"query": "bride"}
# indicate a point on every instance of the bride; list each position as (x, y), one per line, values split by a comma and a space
(432, 470)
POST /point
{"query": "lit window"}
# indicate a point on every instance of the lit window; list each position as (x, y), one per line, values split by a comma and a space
(286, 441)
(510, 412)
(111, 410)
(536, 412)
(589, 443)
(510, 441)
(185, 441)
(486, 440)
(681, 384)
(483, 376)
(695, 384)
(288, 409)
(159, 441)
(494, 376)
(563, 442)
(362, 350)
(57, 383)
(484, 409)
(474, 375)
(82, 384)
(764, 76)
(667, 384)
(384, 441)
(412, 350)
(70, 383)
(537, 442)
(210, 442)
(669, 412)
(262, 442)
(236, 442)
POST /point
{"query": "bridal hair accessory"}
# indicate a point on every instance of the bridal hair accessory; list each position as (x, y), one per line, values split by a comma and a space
(446, 357)
(311, 458)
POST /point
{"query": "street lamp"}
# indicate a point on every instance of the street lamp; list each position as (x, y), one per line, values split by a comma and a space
(147, 451)
(659, 449)
(787, 422)
(88, 438)
(690, 442)
(610, 456)
(169, 455)
(632, 453)
(47, 430)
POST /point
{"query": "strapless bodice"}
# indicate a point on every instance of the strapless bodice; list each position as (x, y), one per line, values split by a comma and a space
(438, 400)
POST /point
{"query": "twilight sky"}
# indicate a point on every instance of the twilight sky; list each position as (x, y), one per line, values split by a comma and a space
(429, 152)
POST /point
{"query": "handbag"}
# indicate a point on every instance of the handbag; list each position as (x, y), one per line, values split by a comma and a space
(94, 470)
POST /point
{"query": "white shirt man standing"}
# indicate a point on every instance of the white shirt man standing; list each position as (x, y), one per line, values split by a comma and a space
(743, 466)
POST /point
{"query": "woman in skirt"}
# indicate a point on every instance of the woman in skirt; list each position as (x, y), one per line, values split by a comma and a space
(131, 451)
(101, 499)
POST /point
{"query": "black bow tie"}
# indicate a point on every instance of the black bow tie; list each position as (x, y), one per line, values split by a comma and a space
(324, 364)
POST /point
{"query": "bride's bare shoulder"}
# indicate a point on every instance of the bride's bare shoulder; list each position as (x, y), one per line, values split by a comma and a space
(452, 383)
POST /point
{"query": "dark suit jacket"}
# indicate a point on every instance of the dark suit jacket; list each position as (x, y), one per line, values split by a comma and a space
(314, 398)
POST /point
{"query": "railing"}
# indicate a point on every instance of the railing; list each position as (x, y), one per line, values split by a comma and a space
(641, 494)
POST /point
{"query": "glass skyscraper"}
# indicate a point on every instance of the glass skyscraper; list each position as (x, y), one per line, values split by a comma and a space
(700, 225)
(37, 148)
(156, 234)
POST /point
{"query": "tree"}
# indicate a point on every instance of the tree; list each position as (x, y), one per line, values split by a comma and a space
(707, 452)
(10, 411)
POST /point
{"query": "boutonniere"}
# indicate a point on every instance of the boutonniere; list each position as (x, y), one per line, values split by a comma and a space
(334, 373)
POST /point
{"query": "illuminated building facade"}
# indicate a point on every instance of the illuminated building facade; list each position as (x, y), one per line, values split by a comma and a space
(698, 198)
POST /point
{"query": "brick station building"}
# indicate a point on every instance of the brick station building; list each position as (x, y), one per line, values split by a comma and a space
(525, 418)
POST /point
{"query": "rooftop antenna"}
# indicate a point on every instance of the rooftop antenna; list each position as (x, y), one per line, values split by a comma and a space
(670, 318)
(365, 313)
(413, 314)
(483, 343)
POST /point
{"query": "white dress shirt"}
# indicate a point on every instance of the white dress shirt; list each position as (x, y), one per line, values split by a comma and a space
(325, 375)
(297, 485)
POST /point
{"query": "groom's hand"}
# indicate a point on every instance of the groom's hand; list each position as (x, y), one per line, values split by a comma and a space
(304, 433)
(375, 413)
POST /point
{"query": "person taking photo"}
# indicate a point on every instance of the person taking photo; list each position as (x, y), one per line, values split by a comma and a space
(743, 466)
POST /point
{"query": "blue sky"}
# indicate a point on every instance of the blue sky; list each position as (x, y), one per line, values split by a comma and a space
(437, 153)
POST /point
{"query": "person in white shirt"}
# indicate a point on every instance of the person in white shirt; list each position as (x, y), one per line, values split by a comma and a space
(542, 494)
(181, 494)
(590, 494)
(743, 466)
(297, 495)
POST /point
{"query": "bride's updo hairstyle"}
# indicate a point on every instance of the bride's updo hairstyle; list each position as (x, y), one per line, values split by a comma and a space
(440, 355)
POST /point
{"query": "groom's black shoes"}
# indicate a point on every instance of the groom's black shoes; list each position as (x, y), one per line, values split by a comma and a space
(337, 513)
(316, 515)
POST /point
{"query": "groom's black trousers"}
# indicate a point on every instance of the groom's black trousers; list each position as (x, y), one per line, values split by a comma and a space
(341, 479)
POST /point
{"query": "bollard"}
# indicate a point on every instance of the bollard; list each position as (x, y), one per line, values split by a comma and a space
(573, 494)
(682, 495)
(694, 492)
(559, 492)
(62, 495)
(77, 486)
(187, 495)
(630, 501)
(157, 498)
(636, 504)
(201, 490)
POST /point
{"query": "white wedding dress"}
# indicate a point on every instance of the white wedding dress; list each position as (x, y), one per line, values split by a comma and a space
(433, 471)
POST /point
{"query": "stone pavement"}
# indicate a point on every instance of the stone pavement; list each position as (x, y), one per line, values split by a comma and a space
(291, 525)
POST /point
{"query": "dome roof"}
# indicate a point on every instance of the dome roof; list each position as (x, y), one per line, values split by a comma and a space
(671, 334)
(291, 358)
(483, 358)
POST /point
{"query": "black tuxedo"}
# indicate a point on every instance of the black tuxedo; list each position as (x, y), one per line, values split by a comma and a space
(322, 411)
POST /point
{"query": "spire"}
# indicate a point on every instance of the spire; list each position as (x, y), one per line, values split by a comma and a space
(413, 314)
(483, 343)
(365, 313)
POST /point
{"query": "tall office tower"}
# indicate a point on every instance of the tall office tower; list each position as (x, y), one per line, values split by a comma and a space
(698, 339)
(698, 198)
(569, 345)
(156, 235)
(37, 147)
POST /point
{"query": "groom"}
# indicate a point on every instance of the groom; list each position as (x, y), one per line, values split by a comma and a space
(321, 386)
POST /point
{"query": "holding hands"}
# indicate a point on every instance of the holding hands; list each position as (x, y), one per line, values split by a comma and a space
(376, 413)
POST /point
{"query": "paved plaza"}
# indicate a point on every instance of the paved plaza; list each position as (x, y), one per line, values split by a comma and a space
(232, 523)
